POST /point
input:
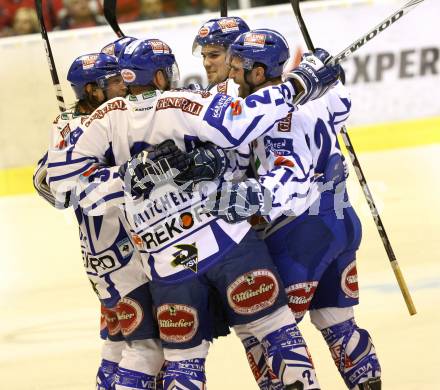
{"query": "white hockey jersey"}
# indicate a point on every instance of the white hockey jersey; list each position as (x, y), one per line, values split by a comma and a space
(178, 238)
(111, 261)
(293, 155)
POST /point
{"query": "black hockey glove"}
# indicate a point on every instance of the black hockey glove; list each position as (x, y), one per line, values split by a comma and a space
(237, 202)
(206, 163)
(154, 166)
(312, 78)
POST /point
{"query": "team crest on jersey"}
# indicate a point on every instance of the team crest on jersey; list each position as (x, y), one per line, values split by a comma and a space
(177, 323)
(89, 61)
(228, 25)
(253, 292)
(299, 297)
(159, 47)
(130, 315)
(125, 247)
(254, 39)
(349, 281)
(187, 256)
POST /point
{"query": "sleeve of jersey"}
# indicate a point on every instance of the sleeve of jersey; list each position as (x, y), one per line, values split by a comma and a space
(40, 183)
(230, 122)
(239, 162)
(81, 169)
(291, 185)
(340, 105)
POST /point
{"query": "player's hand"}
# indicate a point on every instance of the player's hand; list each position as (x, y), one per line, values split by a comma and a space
(312, 78)
(154, 166)
(206, 163)
(237, 202)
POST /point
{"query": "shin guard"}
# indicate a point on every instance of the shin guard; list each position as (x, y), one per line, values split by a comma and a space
(354, 354)
(132, 380)
(185, 375)
(289, 358)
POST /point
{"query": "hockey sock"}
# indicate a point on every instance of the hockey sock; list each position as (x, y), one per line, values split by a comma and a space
(263, 375)
(353, 352)
(106, 375)
(289, 358)
(185, 375)
(132, 380)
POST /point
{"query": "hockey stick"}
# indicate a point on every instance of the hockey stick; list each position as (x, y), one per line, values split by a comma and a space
(357, 167)
(110, 16)
(49, 56)
(374, 32)
(223, 8)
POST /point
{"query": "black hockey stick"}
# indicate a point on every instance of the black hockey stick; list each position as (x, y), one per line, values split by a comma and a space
(110, 16)
(357, 167)
(223, 8)
(49, 56)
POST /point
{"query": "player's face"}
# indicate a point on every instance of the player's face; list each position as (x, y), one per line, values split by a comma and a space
(116, 87)
(236, 73)
(214, 62)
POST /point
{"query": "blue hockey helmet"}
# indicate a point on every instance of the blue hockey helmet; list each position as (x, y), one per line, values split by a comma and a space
(141, 59)
(91, 68)
(114, 48)
(264, 46)
(219, 31)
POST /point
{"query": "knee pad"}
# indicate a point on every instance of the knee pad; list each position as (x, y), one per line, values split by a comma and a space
(185, 374)
(133, 380)
(289, 359)
(106, 375)
(353, 353)
(144, 356)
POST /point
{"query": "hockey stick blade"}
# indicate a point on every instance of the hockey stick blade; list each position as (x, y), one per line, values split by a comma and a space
(49, 56)
(110, 16)
(374, 32)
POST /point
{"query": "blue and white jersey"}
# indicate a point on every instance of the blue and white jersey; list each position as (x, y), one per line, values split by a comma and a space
(179, 239)
(322, 120)
(112, 263)
(293, 155)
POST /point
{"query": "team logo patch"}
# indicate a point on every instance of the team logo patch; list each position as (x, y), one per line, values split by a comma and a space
(253, 292)
(159, 47)
(130, 315)
(228, 25)
(177, 323)
(111, 321)
(187, 256)
(284, 125)
(204, 32)
(222, 87)
(349, 281)
(283, 161)
(128, 75)
(299, 297)
(252, 39)
(125, 247)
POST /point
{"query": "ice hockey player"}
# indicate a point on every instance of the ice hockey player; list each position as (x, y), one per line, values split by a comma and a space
(187, 249)
(112, 263)
(315, 251)
(211, 43)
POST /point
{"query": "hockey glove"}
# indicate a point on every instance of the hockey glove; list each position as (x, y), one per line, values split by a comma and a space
(154, 166)
(237, 202)
(206, 163)
(312, 78)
